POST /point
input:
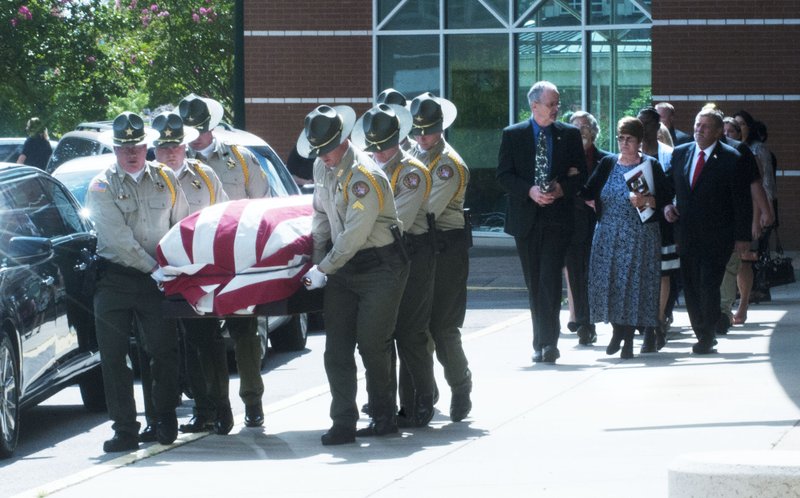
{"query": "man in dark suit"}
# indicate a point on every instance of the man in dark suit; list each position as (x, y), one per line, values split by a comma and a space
(541, 164)
(580, 246)
(714, 213)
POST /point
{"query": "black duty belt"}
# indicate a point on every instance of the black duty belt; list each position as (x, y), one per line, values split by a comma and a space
(369, 258)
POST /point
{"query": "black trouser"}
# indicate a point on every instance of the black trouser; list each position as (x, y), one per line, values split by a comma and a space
(577, 262)
(121, 296)
(206, 365)
(541, 254)
(360, 306)
(450, 308)
(413, 319)
(702, 275)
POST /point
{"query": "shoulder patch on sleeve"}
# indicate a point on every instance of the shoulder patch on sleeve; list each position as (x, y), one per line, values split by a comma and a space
(360, 189)
(411, 181)
(444, 172)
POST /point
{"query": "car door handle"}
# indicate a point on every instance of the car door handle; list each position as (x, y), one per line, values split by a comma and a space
(80, 267)
(49, 281)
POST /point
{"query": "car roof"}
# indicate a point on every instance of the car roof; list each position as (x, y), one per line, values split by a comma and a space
(238, 137)
(96, 162)
(12, 170)
(94, 126)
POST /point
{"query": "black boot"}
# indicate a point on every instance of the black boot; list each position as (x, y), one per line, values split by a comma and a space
(379, 426)
(627, 345)
(423, 409)
(616, 339)
(649, 344)
(661, 335)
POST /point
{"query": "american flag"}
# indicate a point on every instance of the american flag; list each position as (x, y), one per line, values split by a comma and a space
(230, 257)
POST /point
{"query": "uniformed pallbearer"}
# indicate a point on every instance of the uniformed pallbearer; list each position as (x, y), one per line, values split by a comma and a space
(242, 178)
(133, 204)
(206, 355)
(380, 132)
(364, 264)
(432, 115)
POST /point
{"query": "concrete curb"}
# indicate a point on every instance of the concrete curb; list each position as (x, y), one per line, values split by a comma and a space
(765, 474)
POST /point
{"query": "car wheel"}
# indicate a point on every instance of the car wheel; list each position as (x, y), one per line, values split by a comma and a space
(292, 336)
(9, 397)
(92, 391)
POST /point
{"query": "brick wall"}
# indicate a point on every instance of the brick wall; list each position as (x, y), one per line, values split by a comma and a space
(718, 57)
(308, 15)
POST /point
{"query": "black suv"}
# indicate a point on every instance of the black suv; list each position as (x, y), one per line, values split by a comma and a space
(47, 336)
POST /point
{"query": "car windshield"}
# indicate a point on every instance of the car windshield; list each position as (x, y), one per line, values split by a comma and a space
(72, 147)
(281, 182)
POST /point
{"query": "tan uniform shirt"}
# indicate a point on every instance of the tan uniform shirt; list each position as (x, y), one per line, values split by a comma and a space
(411, 184)
(353, 208)
(130, 216)
(450, 177)
(240, 172)
(201, 185)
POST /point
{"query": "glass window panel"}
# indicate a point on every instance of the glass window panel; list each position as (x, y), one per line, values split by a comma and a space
(409, 64)
(477, 76)
(619, 12)
(470, 14)
(416, 14)
(499, 6)
(621, 78)
(553, 56)
(550, 13)
(385, 7)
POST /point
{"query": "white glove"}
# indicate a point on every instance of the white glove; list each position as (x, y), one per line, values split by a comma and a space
(314, 278)
(158, 276)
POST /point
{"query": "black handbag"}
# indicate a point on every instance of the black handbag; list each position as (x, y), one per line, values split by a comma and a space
(775, 269)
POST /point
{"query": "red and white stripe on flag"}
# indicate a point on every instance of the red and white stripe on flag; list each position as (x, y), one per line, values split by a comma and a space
(230, 257)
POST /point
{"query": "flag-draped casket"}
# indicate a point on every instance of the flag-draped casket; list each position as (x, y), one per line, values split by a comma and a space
(230, 257)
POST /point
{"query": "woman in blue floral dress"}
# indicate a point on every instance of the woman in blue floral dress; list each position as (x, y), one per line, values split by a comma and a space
(625, 264)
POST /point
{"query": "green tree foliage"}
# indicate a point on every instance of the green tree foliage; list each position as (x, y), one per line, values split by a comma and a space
(69, 61)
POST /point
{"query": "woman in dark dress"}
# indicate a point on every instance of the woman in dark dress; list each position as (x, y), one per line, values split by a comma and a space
(625, 265)
(36, 150)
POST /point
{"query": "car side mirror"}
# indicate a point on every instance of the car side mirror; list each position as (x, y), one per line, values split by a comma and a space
(29, 250)
(308, 188)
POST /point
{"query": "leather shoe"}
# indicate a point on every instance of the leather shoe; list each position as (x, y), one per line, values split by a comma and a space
(122, 441)
(460, 406)
(380, 426)
(224, 422)
(537, 357)
(586, 335)
(338, 435)
(167, 429)
(550, 354)
(148, 435)
(198, 423)
(572, 326)
(253, 415)
(703, 348)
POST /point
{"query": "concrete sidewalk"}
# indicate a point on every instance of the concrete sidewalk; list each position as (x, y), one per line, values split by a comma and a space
(589, 426)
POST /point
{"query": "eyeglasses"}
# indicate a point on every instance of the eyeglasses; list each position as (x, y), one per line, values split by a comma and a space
(626, 139)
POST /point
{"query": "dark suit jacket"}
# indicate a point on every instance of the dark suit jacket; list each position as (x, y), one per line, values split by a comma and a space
(516, 173)
(679, 137)
(719, 210)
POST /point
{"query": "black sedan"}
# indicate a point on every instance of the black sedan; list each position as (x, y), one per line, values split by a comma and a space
(47, 336)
